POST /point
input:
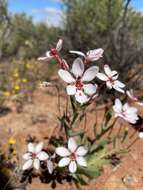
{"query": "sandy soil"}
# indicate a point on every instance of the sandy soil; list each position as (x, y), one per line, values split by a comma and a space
(40, 119)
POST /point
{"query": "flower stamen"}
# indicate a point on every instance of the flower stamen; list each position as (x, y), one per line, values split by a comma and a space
(34, 155)
(73, 157)
(79, 84)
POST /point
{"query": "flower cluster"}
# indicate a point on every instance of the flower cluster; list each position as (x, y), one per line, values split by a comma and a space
(84, 82)
(81, 81)
(72, 156)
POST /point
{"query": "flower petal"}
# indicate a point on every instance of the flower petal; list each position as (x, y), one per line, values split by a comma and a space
(50, 166)
(107, 70)
(140, 135)
(43, 58)
(27, 165)
(81, 151)
(36, 164)
(31, 147)
(94, 55)
(78, 67)
(89, 88)
(133, 116)
(64, 162)
(65, 65)
(66, 76)
(131, 95)
(81, 97)
(72, 167)
(90, 73)
(109, 84)
(78, 53)
(38, 147)
(126, 106)
(119, 89)
(62, 151)
(130, 110)
(71, 89)
(140, 103)
(81, 161)
(115, 77)
(27, 156)
(49, 56)
(131, 120)
(42, 156)
(119, 84)
(72, 145)
(113, 73)
(59, 45)
(118, 106)
(102, 76)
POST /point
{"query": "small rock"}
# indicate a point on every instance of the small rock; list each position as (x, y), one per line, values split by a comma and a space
(129, 180)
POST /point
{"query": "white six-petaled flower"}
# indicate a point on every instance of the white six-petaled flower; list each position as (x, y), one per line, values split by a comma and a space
(134, 98)
(125, 111)
(34, 156)
(49, 54)
(110, 77)
(72, 156)
(78, 81)
(92, 55)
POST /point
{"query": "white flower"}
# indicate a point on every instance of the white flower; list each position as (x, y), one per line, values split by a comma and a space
(92, 55)
(110, 77)
(78, 81)
(133, 97)
(125, 111)
(50, 54)
(34, 156)
(72, 156)
(140, 134)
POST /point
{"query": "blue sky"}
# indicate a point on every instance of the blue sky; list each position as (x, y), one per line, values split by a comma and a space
(138, 4)
(22, 5)
(49, 11)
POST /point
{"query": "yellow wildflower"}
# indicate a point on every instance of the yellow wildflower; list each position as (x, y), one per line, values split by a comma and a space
(16, 75)
(12, 141)
(14, 152)
(24, 80)
(16, 87)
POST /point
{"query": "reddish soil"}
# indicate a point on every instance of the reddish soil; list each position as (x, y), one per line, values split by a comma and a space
(40, 119)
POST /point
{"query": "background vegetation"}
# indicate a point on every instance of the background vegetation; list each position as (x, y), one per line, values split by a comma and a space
(111, 24)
